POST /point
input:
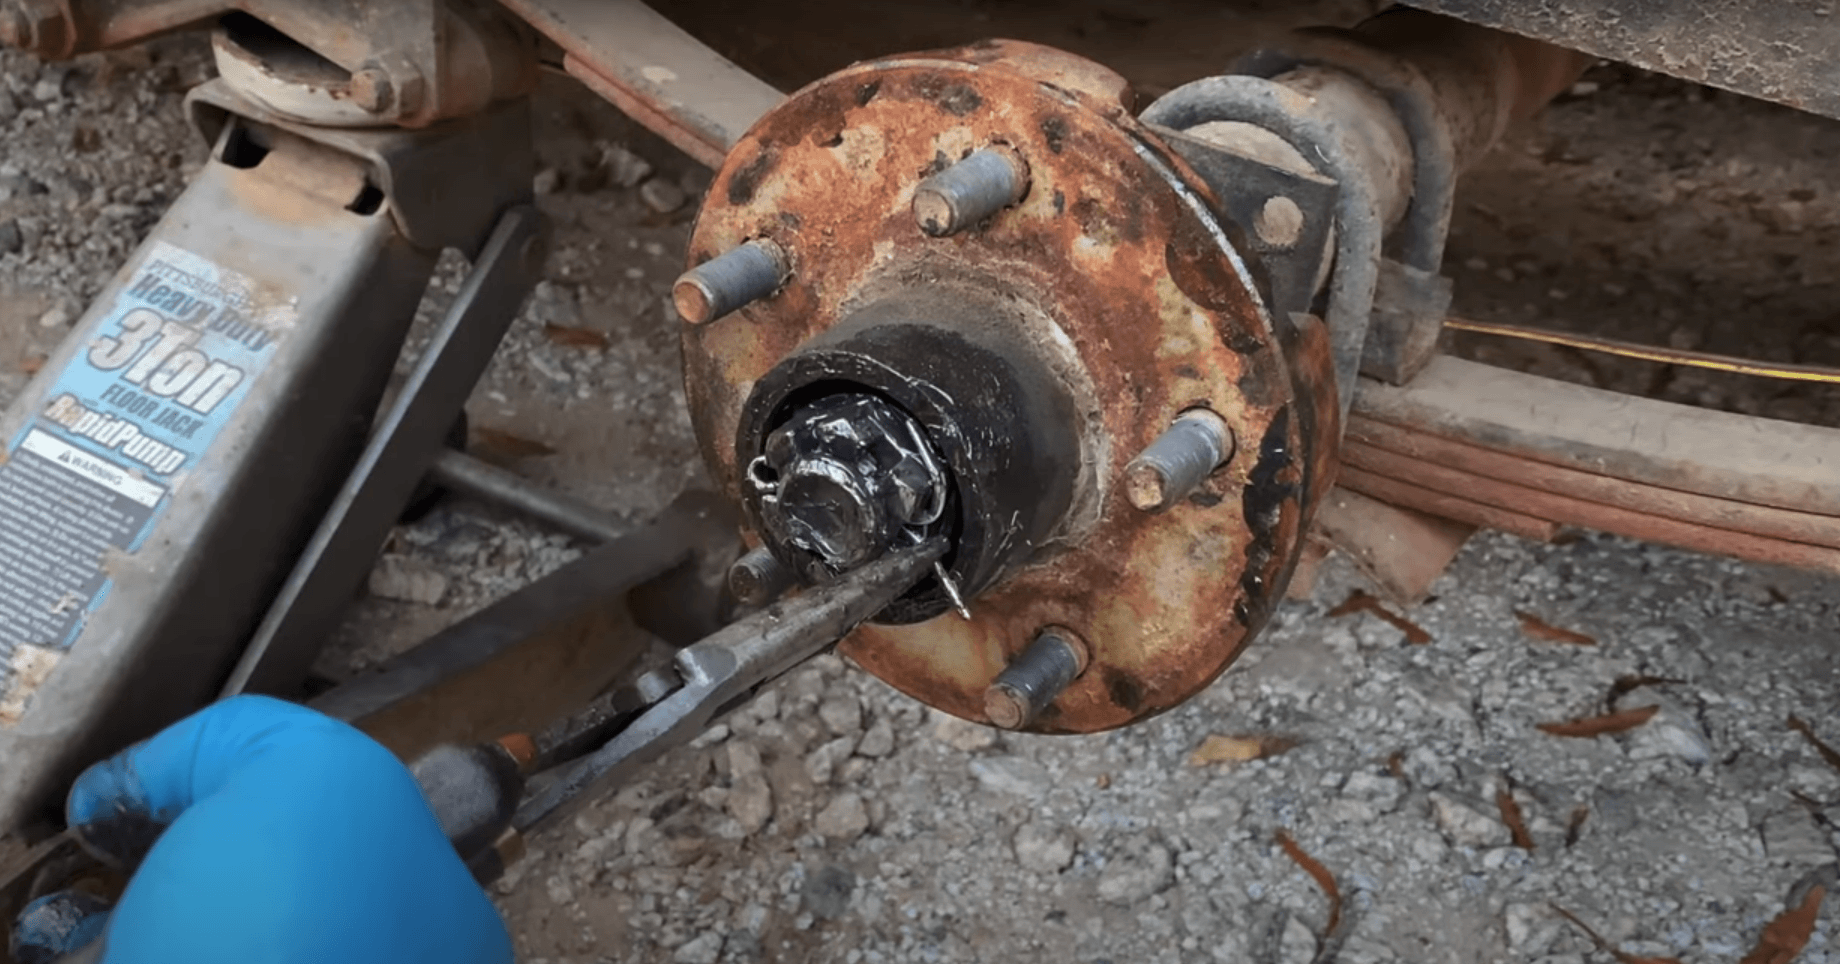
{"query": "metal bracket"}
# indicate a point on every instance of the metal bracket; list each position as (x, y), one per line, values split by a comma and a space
(1243, 187)
(1359, 232)
(416, 172)
(407, 62)
(1409, 310)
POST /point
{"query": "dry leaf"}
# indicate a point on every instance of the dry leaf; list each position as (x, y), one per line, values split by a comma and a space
(1323, 878)
(1575, 826)
(1239, 748)
(1359, 601)
(496, 445)
(1784, 937)
(1827, 752)
(575, 337)
(1103, 781)
(31, 364)
(1541, 629)
(85, 140)
(1604, 945)
(1511, 815)
(1601, 725)
(1396, 765)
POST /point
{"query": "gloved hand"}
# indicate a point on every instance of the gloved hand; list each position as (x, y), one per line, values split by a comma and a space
(289, 838)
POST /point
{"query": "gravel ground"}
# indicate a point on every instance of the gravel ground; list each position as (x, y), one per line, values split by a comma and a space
(834, 820)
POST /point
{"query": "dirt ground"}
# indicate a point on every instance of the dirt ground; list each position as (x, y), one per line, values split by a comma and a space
(834, 820)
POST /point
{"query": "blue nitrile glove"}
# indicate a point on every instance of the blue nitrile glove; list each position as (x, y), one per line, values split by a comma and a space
(290, 838)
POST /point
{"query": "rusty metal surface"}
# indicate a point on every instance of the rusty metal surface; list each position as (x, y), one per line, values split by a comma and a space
(1153, 311)
(1488, 446)
(1564, 507)
(1779, 50)
(436, 60)
(648, 67)
(1766, 521)
(490, 153)
(1451, 88)
(1414, 496)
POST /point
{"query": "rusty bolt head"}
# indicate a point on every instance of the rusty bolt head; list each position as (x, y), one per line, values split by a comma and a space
(1279, 222)
(1005, 707)
(1146, 487)
(694, 300)
(521, 748)
(371, 90)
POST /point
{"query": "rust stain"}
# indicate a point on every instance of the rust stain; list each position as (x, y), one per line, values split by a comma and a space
(1159, 317)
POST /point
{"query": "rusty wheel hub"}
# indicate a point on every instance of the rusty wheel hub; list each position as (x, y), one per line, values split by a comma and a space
(971, 289)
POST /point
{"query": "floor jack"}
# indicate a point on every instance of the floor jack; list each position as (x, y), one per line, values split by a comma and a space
(194, 487)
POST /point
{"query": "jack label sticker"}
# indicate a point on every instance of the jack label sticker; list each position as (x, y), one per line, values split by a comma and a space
(156, 378)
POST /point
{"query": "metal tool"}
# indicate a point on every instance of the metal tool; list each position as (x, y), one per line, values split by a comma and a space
(722, 669)
(33, 859)
(210, 406)
(473, 791)
(477, 792)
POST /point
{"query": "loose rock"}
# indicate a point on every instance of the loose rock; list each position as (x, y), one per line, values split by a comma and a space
(407, 580)
(962, 734)
(703, 949)
(624, 168)
(750, 798)
(878, 741)
(827, 891)
(1043, 848)
(1012, 774)
(1467, 827)
(844, 819)
(661, 195)
(1136, 870)
(1791, 837)
(1531, 929)
(842, 713)
(1672, 733)
(821, 765)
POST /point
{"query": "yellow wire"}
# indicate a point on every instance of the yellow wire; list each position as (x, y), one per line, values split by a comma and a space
(1667, 356)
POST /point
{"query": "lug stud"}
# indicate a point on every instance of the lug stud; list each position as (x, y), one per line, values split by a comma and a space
(1179, 460)
(1027, 686)
(734, 279)
(970, 192)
